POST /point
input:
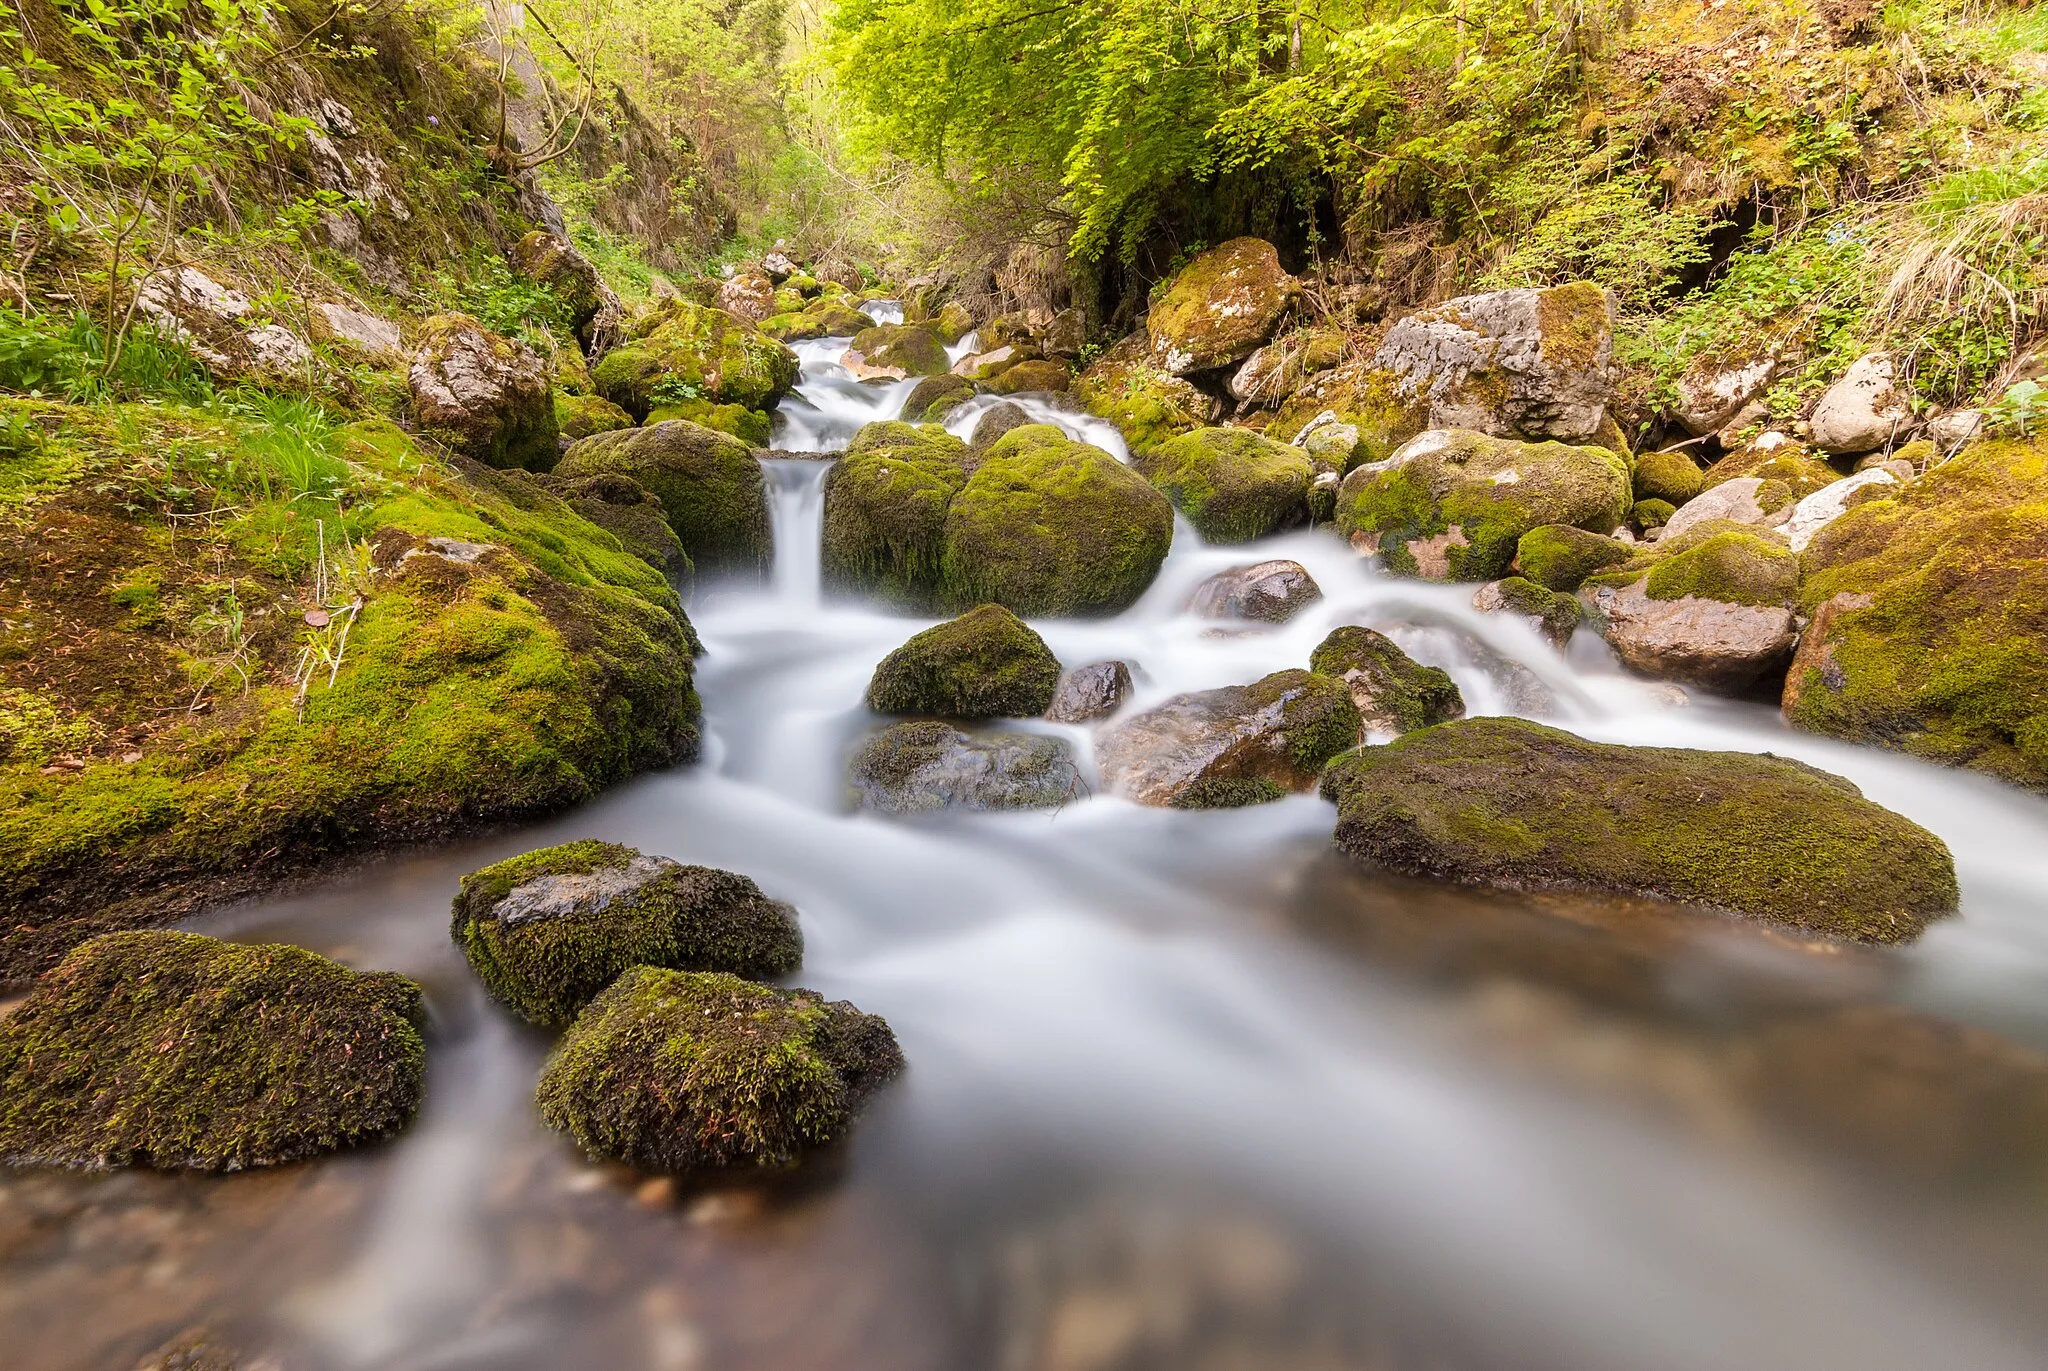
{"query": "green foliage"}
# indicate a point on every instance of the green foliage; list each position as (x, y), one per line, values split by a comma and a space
(68, 359)
(487, 289)
(1615, 232)
(2021, 409)
(291, 446)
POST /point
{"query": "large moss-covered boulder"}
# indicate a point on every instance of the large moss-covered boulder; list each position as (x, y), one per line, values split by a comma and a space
(1147, 404)
(1394, 692)
(1240, 745)
(692, 352)
(1451, 504)
(547, 930)
(1929, 610)
(1508, 803)
(933, 398)
(925, 766)
(897, 350)
(1033, 376)
(1048, 526)
(885, 512)
(986, 664)
(700, 1072)
(708, 483)
(1711, 606)
(483, 394)
(1232, 484)
(1220, 307)
(579, 416)
(173, 1050)
(633, 514)
(1561, 557)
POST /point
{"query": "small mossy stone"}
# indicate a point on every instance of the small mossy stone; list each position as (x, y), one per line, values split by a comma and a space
(1232, 484)
(1228, 792)
(579, 416)
(885, 512)
(750, 426)
(1048, 526)
(1672, 476)
(1561, 557)
(1394, 693)
(1033, 375)
(708, 483)
(1508, 803)
(547, 930)
(1555, 614)
(703, 1073)
(934, 397)
(1649, 514)
(173, 1050)
(985, 664)
(1801, 472)
(1737, 567)
(913, 349)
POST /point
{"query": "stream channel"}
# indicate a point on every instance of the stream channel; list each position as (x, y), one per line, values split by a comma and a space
(1186, 1090)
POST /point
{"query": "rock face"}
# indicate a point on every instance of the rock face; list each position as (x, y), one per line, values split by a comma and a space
(1268, 592)
(1090, 692)
(926, 766)
(547, 930)
(986, 664)
(1232, 484)
(633, 514)
(484, 395)
(1047, 526)
(1239, 745)
(1451, 505)
(1511, 363)
(1711, 608)
(1863, 411)
(685, 351)
(1507, 803)
(708, 483)
(376, 340)
(595, 314)
(177, 1051)
(1552, 613)
(935, 397)
(894, 351)
(1393, 692)
(1561, 557)
(222, 327)
(696, 1072)
(1930, 617)
(885, 512)
(1219, 308)
(1147, 404)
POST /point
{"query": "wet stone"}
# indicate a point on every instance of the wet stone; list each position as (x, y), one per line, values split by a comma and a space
(925, 767)
(1268, 592)
(1090, 692)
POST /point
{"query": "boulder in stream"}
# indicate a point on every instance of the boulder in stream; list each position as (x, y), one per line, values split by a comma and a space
(633, 514)
(1552, 613)
(1508, 803)
(1561, 557)
(934, 397)
(885, 512)
(985, 664)
(1267, 592)
(996, 421)
(704, 1073)
(547, 930)
(1233, 485)
(1394, 693)
(1090, 692)
(172, 1050)
(896, 351)
(483, 394)
(1217, 749)
(708, 482)
(1711, 606)
(1033, 376)
(682, 350)
(926, 766)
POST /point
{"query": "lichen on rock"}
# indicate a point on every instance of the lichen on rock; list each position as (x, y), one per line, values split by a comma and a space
(1219, 308)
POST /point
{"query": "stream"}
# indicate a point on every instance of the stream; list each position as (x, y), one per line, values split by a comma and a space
(1186, 1089)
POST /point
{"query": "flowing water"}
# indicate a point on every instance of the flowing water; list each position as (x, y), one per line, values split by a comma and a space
(1186, 1090)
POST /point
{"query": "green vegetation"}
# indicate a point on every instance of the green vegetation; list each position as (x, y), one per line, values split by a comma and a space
(708, 483)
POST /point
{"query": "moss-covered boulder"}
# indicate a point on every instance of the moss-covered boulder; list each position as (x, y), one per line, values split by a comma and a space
(1220, 307)
(1671, 476)
(1550, 612)
(1773, 457)
(1033, 375)
(1711, 606)
(986, 664)
(483, 394)
(1048, 526)
(1394, 693)
(1232, 484)
(1148, 405)
(699, 1072)
(933, 398)
(750, 426)
(708, 483)
(793, 327)
(579, 416)
(547, 930)
(593, 312)
(1508, 803)
(925, 766)
(885, 512)
(953, 321)
(1561, 557)
(163, 1049)
(1451, 505)
(1219, 749)
(897, 350)
(691, 352)
(1929, 610)
(633, 514)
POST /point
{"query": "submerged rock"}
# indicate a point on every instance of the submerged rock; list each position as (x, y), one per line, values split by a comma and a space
(926, 766)
(1393, 692)
(547, 930)
(985, 664)
(484, 395)
(885, 512)
(1232, 484)
(708, 483)
(1711, 607)
(1508, 803)
(173, 1050)
(1090, 692)
(698, 1072)
(1220, 307)
(1267, 592)
(1234, 746)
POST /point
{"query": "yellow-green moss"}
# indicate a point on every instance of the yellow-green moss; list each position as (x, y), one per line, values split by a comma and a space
(1231, 483)
(684, 351)
(750, 426)
(985, 664)
(707, 481)
(885, 512)
(579, 416)
(1669, 476)
(1561, 557)
(1146, 404)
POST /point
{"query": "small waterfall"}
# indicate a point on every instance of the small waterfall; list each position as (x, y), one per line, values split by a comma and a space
(796, 517)
(883, 311)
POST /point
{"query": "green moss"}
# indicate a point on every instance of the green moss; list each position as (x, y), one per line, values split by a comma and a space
(933, 398)
(1574, 322)
(1049, 526)
(1557, 613)
(1391, 690)
(750, 426)
(602, 908)
(985, 664)
(1318, 716)
(708, 353)
(630, 512)
(1147, 405)
(579, 416)
(1221, 305)
(695, 1072)
(173, 1050)
(796, 326)
(1232, 484)
(1231, 792)
(914, 349)
(1648, 514)
(1508, 803)
(885, 512)
(1737, 568)
(1800, 471)
(1032, 375)
(1670, 476)
(708, 483)
(1562, 557)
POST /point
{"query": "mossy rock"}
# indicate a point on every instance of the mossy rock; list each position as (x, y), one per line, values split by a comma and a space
(795, 327)
(708, 483)
(483, 395)
(750, 426)
(1220, 307)
(1232, 484)
(1047, 526)
(553, 263)
(547, 930)
(1033, 375)
(1645, 515)
(986, 664)
(1800, 471)
(1508, 803)
(1930, 617)
(1561, 557)
(1734, 566)
(1453, 504)
(691, 351)
(1394, 693)
(633, 514)
(1147, 404)
(885, 512)
(153, 1048)
(1555, 615)
(702, 1073)
(995, 422)
(913, 349)
(579, 416)
(1362, 395)
(837, 318)
(953, 321)
(1233, 746)
(934, 397)
(1671, 476)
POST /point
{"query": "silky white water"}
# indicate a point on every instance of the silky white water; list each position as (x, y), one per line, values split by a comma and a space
(1185, 1089)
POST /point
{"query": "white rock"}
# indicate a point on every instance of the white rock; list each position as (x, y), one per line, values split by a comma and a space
(1830, 503)
(1953, 431)
(377, 339)
(1735, 500)
(1863, 411)
(1709, 403)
